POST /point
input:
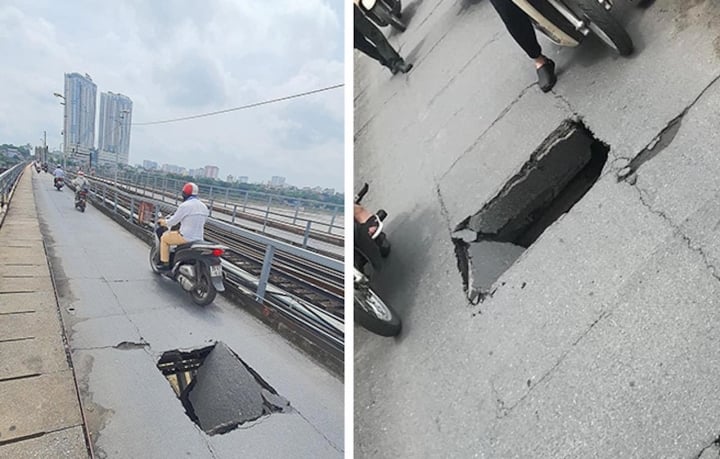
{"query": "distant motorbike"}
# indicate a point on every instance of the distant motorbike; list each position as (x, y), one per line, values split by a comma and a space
(45, 168)
(568, 22)
(58, 183)
(195, 266)
(384, 13)
(370, 310)
(37, 168)
(81, 199)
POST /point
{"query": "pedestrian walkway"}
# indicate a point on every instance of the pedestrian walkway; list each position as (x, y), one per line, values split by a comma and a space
(40, 415)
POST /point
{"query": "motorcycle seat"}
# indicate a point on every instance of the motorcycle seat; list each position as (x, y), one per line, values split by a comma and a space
(188, 245)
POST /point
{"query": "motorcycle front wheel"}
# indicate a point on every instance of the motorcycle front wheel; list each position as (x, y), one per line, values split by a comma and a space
(372, 313)
(154, 260)
(604, 25)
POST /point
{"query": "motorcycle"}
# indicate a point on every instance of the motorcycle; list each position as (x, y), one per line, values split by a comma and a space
(58, 183)
(80, 199)
(45, 168)
(370, 310)
(384, 13)
(568, 22)
(195, 266)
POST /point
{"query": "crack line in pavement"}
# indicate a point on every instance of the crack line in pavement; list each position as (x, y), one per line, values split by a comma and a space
(663, 139)
(137, 329)
(502, 411)
(562, 358)
(463, 68)
(486, 130)
(320, 432)
(715, 442)
(443, 209)
(678, 230)
(437, 5)
(562, 98)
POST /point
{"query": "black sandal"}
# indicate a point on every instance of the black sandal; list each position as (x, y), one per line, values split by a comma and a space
(546, 76)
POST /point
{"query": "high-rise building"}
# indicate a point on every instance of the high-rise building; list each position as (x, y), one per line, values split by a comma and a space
(212, 172)
(242, 179)
(230, 179)
(114, 127)
(79, 123)
(277, 181)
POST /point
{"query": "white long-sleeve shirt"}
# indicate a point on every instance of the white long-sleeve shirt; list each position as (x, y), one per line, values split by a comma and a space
(192, 215)
(59, 173)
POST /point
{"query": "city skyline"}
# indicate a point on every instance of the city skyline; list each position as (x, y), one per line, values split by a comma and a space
(188, 69)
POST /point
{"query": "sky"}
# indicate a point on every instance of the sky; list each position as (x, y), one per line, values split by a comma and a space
(177, 58)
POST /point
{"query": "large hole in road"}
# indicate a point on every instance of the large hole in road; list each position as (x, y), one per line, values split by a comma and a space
(217, 389)
(557, 175)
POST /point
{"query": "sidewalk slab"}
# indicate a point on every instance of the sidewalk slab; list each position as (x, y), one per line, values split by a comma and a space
(27, 284)
(27, 301)
(67, 443)
(35, 355)
(24, 324)
(41, 404)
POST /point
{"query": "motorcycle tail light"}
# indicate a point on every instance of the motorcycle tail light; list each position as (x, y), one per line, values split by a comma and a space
(217, 252)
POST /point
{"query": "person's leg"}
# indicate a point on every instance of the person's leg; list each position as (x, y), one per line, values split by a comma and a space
(363, 45)
(388, 54)
(519, 26)
(169, 238)
(521, 29)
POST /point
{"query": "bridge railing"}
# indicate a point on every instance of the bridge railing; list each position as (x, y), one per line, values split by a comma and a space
(264, 208)
(8, 181)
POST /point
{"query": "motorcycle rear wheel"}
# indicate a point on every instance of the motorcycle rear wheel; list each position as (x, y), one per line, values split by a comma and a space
(604, 26)
(205, 292)
(372, 313)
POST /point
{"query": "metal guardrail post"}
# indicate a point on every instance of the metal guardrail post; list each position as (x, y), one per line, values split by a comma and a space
(132, 205)
(332, 220)
(233, 214)
(306, 235)
(115, 190)
(227, 195)
(104, 194)
(267, 213)
(297, 208)
(211, 207)
(265, 273)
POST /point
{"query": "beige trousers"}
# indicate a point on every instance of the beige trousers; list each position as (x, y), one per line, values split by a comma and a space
(169, 238)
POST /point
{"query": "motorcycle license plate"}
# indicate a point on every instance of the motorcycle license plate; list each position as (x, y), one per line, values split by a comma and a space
(216, 271)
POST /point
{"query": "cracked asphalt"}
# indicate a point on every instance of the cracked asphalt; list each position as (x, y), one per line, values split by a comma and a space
(602, 339)
(120, 318)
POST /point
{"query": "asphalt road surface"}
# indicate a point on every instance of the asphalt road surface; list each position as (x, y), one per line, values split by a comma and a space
(121, 318)
(602, 339)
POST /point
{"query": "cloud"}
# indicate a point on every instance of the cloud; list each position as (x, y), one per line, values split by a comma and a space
(181, 57)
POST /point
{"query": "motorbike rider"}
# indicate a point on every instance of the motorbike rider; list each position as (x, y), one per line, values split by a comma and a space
(58, 173)
(371, 41)
(81, 184)
(520, 27)
(192, 215)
